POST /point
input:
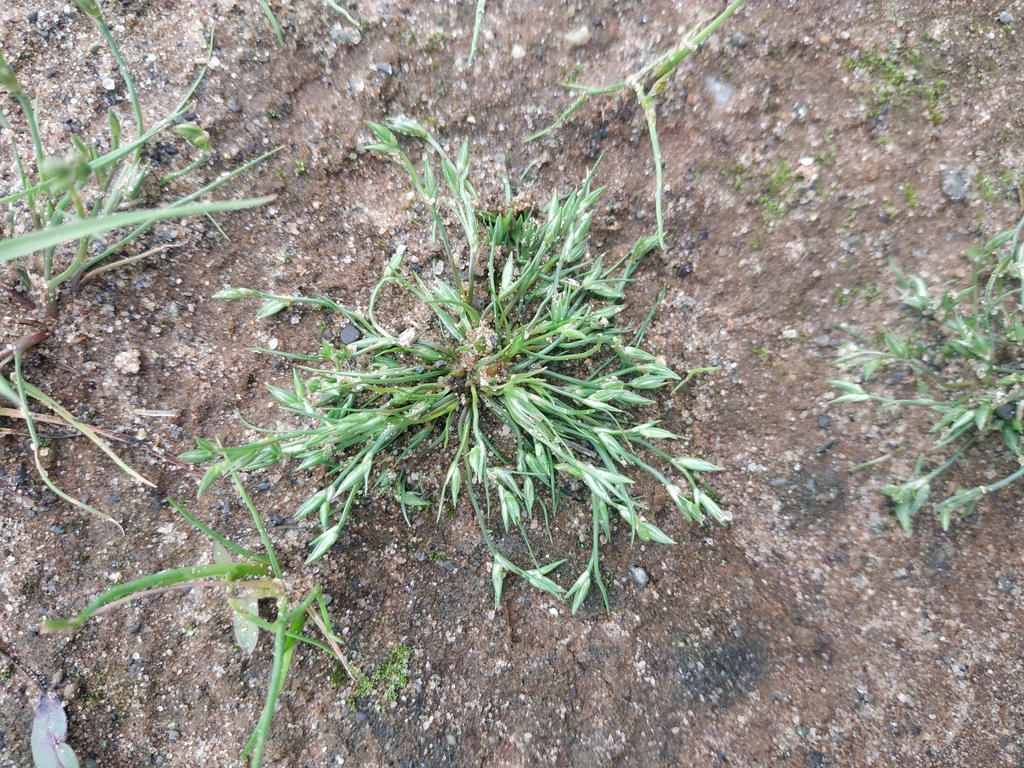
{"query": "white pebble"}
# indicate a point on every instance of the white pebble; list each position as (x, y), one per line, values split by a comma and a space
(578, 37)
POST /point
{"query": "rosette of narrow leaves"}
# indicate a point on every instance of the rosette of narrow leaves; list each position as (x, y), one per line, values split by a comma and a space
(966, 359)
(521, 384)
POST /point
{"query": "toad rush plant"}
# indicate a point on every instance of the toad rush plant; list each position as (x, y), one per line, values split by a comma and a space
(967, 360)
(519, 380)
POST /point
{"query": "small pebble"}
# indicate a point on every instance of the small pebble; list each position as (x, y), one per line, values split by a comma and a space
(385, 69)
(518, 51)
(129, 361)
(824, 421)
(70, 692)
(578, 37)
(57, 528)
(133, 629)
(954, 184)
(349, 334)
(173, 735)
(33, 17)
(1006, 412)
(233, 105)
(108, 84)
(720, 92)
(449, 566)
(1005, 583)
(639, 575)
(739, 40)
(1005, 17)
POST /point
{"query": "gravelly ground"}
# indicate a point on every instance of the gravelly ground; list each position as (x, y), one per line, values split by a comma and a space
(810, 633)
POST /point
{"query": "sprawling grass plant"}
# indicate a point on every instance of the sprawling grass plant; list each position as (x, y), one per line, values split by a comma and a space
(520, 381)
(966, 357)
(646, 84)
(66, 220)
(246, 577)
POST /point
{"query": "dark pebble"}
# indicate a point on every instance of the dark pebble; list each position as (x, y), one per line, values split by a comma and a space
(684, 270)
(57, 528)
(955, 184)
(1005, 412)
(824, 421)
(360, 717)
(134, 629)
(349, 334)
(449, 566)
(233, 105)
(33, 17)
(385, 69)
(704, 234)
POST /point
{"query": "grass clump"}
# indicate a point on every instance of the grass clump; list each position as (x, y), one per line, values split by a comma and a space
(256, 576)
(518, 383)
(66, 220)
(646, 84)
(967, 362)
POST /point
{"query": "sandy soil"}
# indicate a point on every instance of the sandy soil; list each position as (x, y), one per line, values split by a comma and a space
(810, 633)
